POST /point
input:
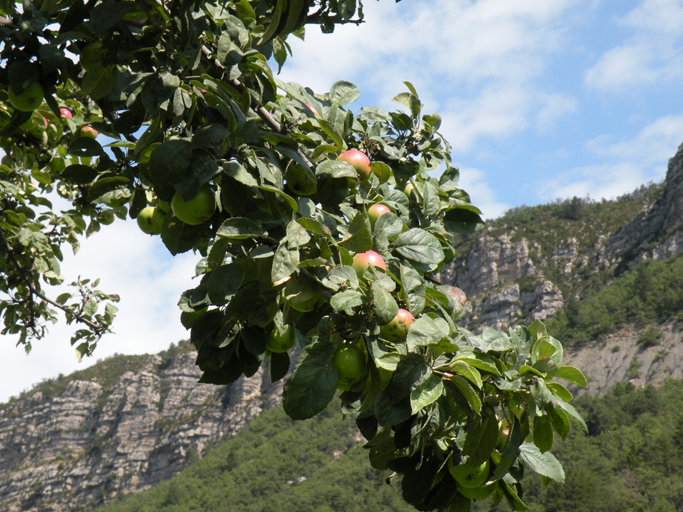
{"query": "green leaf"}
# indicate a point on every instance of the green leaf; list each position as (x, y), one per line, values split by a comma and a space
(358, 238)
(481, 440)
(569, 409)
(346, 300)
(98, 81)
(222, 284)
(513, 498)
(426, 331)
(426, 393)
(343, 275)
(313, 383)
(279, 365)
(333, 133)
(480, 361)
(571, 374)
(385, 304)
(542, 463)
(79, 174)
(335, 169)
(468, 372)
(543, 433)
(285, 262)
(419, 246)
(167, 163)
(468, 392)
(343, 93)
(239, 228)
(315, 226)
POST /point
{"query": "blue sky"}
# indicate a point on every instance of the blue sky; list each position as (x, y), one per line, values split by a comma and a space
(540, 99)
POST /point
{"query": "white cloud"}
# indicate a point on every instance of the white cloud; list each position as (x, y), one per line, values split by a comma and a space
(482, 60)
(654, 52)
(626, 165)
(149, 282)
(474, 182)
(654, 144)
(553, 107)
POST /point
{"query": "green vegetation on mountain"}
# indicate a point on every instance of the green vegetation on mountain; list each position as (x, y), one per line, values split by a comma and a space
(630, 461)
(651, 293)
(277, 465)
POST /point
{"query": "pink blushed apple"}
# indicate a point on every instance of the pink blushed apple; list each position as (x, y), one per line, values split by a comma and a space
(359, 161)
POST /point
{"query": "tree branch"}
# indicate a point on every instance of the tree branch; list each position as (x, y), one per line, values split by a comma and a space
(26, 277)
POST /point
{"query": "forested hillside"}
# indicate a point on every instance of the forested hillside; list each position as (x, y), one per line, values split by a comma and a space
(630, 460)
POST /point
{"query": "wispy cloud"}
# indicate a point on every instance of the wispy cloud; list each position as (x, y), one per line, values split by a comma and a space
(653, 53)
(624, 164)
(474, 181)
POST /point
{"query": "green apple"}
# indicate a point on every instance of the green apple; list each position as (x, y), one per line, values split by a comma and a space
(163, 205)
(375, 211)
(397, 329)
(363, 260)
(197, 210)
(468, 476)
(301, 180)
(29, 100)
(281, 341)
(478, 493)
(350, 364)
(301, 295)
(359, 161)
(150, 220)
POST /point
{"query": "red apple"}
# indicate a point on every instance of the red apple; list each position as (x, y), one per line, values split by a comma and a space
(375, 211)
(397, 329)
(363, 260)
(65, 112)
(359, 161)
(309, 107)
(89, 131)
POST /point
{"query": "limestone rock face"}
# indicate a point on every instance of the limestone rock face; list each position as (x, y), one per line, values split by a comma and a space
(86, 443)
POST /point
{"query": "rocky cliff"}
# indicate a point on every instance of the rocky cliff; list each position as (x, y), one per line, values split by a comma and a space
(130, 423)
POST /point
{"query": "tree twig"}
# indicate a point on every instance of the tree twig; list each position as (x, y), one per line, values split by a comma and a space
(98, 328)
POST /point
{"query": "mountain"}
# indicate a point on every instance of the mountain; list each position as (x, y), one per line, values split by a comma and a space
(126, 423)
(606, 276)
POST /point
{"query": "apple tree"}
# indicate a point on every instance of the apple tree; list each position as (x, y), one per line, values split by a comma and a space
(313, 225)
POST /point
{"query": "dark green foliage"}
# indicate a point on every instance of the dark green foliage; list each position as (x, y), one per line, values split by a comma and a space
(650, 293)
(277, 465)
(631, 460)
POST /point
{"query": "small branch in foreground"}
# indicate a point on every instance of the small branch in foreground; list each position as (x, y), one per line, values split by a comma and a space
(99, 329)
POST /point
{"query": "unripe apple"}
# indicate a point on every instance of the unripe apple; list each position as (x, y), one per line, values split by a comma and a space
(281, 341)
(397, 329)
(359, 161)
(301, 295)
(301, 180)
(89, 131)
(363, 260)
(375, 211)
(150, 220)
(197, 210)
(468, 476)
(478, 493)
(29, 100)
(65, 112)
(351, 366)
(408, 189)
